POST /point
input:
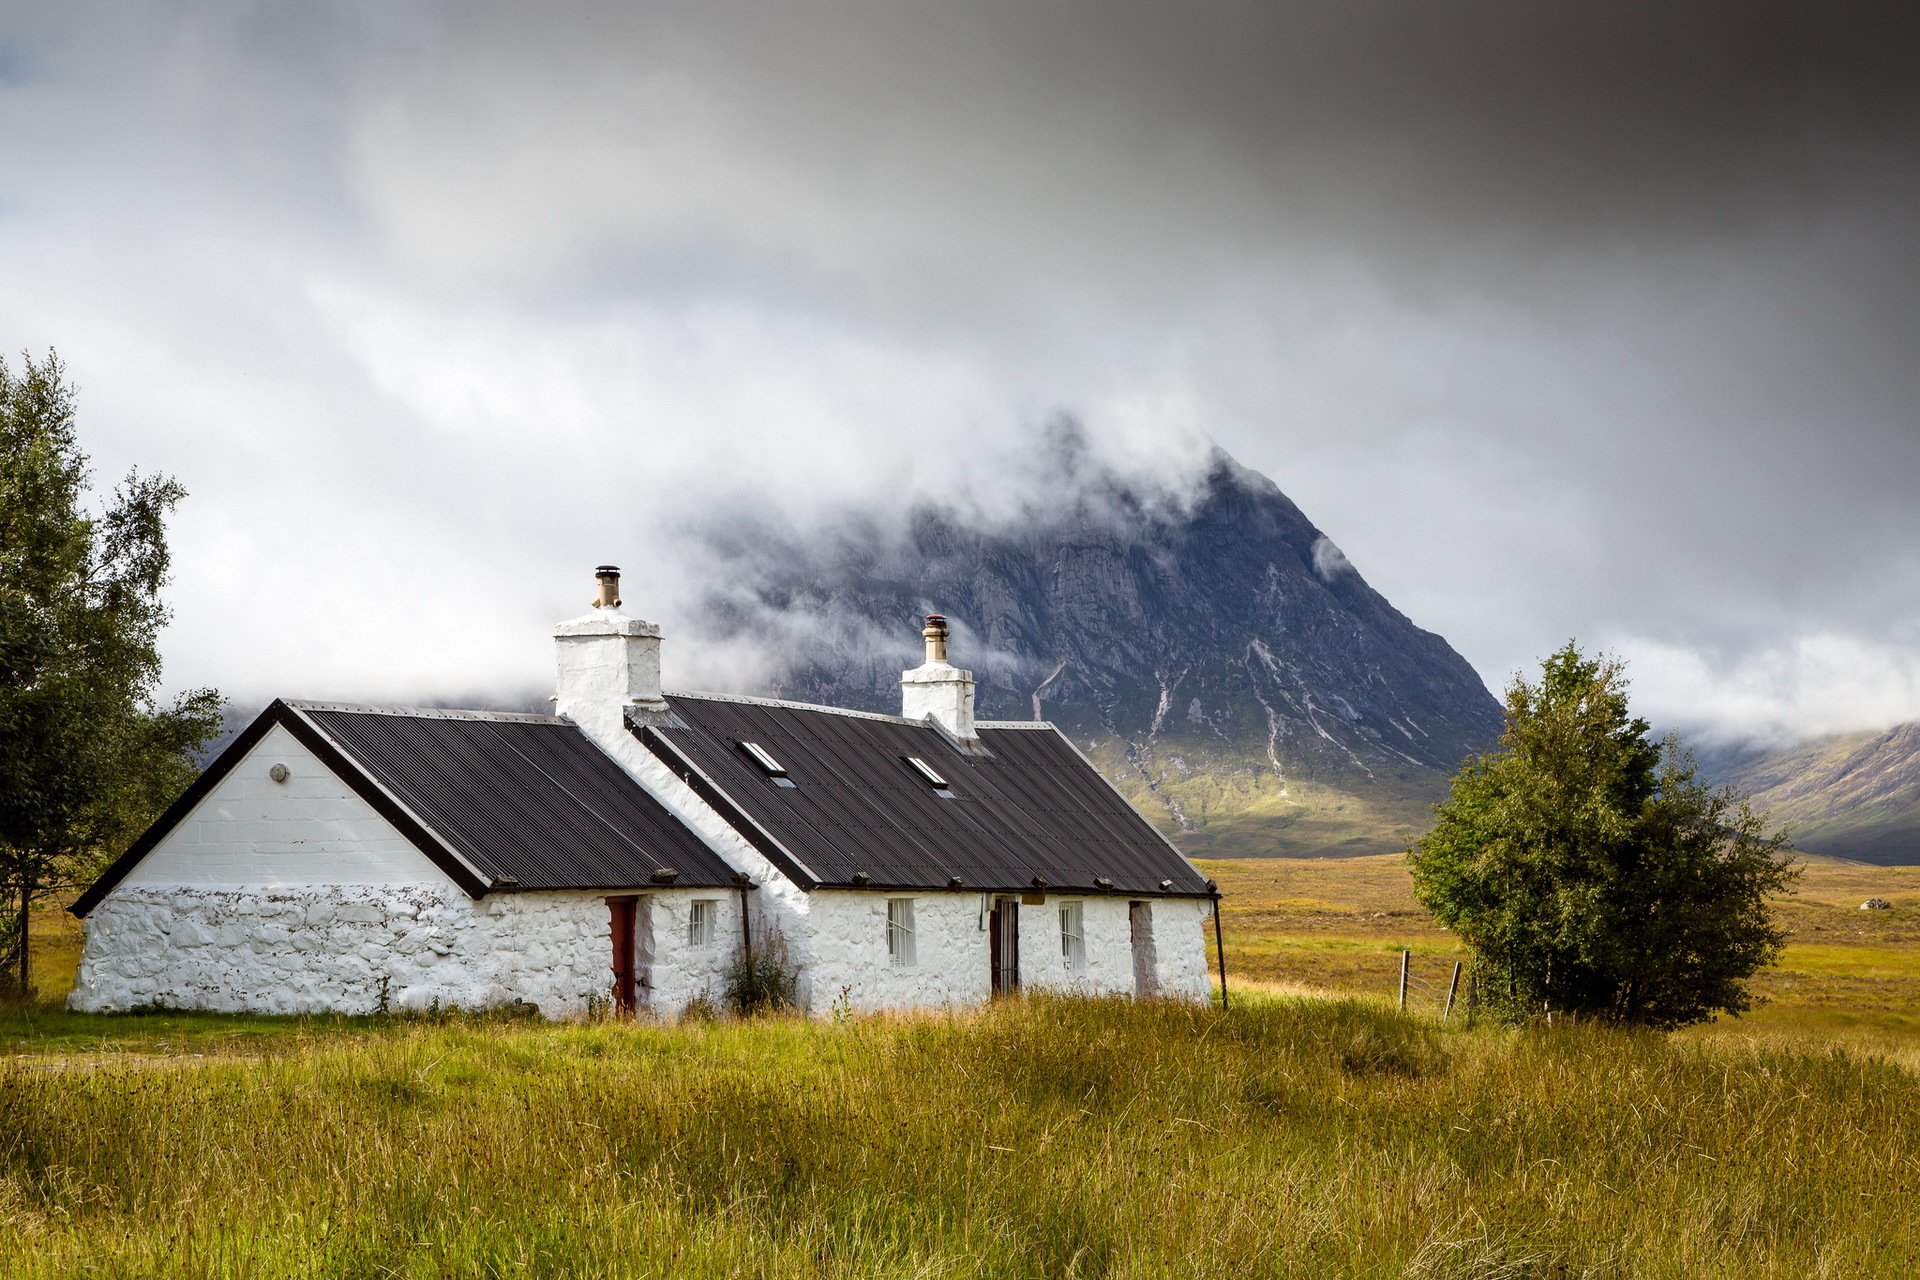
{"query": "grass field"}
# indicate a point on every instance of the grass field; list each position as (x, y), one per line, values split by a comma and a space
(1849, 977)
(1305, 1133)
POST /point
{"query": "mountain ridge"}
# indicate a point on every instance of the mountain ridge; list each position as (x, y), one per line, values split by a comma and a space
(1214, 651)
(1848, 795)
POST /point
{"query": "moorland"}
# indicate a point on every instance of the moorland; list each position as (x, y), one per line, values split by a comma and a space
(1312, 1129)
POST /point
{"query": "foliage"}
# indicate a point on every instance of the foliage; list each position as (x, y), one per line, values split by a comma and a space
(1589, 870)
(766, 981)
(87, 757)
(1036, 1137)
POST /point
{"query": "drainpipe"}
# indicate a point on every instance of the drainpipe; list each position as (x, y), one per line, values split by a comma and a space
(745, 885)
(1219, 943)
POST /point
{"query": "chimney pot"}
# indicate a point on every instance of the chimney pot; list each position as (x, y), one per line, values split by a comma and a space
(935, 634)
(608, 596)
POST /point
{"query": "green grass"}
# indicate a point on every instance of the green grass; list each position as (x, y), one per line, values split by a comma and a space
(1036, 1138)
(1320, 1135)
(1849, 978)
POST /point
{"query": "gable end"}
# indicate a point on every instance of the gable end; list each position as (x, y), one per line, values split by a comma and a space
(278, 713)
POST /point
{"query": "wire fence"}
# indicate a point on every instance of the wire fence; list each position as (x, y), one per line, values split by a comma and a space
(1445, 986)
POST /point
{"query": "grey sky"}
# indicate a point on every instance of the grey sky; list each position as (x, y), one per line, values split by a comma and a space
(1589, 319)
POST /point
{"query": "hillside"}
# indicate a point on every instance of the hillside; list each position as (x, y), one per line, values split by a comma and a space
(1217, 656)
(1851, 795)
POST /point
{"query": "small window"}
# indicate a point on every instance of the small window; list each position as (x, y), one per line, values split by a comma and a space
(932, 775)
(764, 758)
(900, 949)
(700, 921)
(1073, 937)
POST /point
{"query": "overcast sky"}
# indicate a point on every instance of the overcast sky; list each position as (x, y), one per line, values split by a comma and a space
(1573, 319)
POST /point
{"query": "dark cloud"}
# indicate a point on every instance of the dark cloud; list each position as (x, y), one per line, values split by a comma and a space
(1573, 318)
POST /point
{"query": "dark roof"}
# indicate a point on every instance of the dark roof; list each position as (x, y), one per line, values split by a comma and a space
(1025, 810)
(496, 800)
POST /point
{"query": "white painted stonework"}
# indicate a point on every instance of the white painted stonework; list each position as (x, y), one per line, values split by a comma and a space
(942, 691)
(310, 829)
(359, 948)
(606, 663)
(296, 897)
(850, 962)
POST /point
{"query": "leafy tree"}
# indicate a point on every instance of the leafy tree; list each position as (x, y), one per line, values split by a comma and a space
(1591, 872)
(87, 756)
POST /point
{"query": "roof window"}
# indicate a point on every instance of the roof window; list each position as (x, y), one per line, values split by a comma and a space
(764, 758)
(932, 775)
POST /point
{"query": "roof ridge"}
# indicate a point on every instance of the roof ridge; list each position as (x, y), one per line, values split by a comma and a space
(790, 705)
(424, 713)
(1016, 724)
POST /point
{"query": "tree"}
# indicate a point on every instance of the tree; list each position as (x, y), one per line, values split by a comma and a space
(1591, 872)
(87, 756)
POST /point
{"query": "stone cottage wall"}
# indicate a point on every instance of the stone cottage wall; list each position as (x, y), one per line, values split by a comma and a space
(360, 948)
(850, 962)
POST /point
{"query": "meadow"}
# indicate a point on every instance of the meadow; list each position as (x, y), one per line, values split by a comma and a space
(1309, 1131)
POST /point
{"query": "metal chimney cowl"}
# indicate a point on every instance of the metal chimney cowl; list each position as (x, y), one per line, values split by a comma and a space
(605, 662)
(938, 689)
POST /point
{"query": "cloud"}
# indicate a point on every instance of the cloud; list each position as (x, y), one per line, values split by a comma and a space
(1328, 560)
(1808, 687)
(1587, 319)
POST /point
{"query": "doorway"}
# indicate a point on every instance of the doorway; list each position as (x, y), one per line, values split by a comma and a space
(1146, 968)
(630, 923)
(1004, 946)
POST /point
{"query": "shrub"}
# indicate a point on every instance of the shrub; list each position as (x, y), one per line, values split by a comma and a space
(767, 981)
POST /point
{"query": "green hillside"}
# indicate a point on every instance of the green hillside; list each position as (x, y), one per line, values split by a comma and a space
(1853, 795)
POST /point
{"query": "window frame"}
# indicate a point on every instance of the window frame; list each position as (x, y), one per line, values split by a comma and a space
(903, 950)
(703, 922)
(1073, 935)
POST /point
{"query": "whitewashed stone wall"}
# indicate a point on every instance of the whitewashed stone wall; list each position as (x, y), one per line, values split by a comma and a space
(1181, 935)
(850, 961)
(849, 952)
(297, 897)
(310, 829)
(357, 948)
(1109, 948)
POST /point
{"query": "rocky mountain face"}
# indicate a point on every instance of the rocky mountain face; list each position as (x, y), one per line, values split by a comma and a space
(1853, 795)
(1217, 655)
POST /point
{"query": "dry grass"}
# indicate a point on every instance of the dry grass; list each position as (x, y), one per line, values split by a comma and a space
(1040, 1138)
(1301, 1134)
(1849, 977)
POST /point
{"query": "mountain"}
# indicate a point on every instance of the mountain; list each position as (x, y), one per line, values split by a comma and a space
(1213, 651)
(1854, 795)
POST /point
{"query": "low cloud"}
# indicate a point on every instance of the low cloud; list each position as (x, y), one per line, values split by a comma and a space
(1814, 685)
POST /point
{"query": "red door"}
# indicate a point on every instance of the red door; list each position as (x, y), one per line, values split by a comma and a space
(623, 912)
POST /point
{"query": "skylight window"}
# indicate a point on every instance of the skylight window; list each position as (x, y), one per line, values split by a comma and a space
(764, 758)
(928, 772)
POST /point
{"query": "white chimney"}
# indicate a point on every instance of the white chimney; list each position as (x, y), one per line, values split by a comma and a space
(607, 662)
(937, 688)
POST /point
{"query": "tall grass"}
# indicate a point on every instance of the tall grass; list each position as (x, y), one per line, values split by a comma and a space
(1035, 1138)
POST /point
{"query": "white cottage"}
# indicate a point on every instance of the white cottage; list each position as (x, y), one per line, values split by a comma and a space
(626, 850)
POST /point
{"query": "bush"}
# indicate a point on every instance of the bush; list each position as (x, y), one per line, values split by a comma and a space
(767, 981)
(1592, 873)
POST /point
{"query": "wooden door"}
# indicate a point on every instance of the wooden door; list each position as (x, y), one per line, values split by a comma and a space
(630, 926)
(1004, 940)
(621, 917)
(1146, 979)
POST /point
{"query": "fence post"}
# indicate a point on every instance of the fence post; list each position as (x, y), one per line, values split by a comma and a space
(1453, 989)
(1405, 954)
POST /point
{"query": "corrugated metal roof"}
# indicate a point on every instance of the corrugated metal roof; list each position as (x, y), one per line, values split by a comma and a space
(527, 797)
(1028, 806)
